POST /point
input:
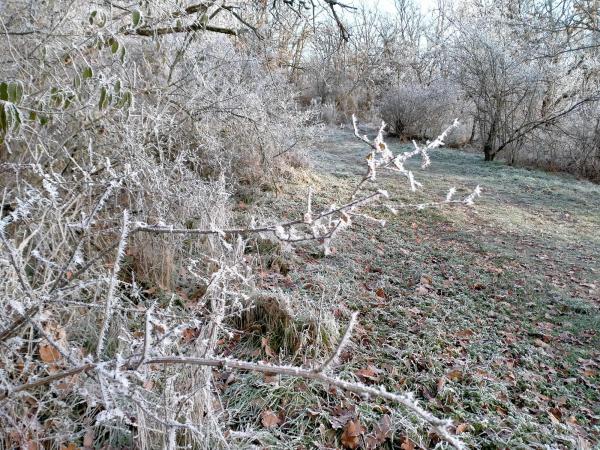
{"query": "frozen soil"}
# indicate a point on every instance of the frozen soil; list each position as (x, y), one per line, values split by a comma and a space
(490, 315)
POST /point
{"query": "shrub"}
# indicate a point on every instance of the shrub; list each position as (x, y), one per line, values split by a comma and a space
(417, 111)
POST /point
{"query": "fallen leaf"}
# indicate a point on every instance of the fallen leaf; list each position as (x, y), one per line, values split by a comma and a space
(266, 347)
(556, 412)
(70, 446)
(465, 333)
(56, 331)
(190, 334)
(269, 419)
(426, 280)
(368, 373)
(454, 375)
(352, 433)
(381, 432)
(48, 353)
(462, 428)
(340, 416)
(380, 293)
(407, 444)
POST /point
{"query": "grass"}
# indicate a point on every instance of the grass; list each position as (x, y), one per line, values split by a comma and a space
(503, 336)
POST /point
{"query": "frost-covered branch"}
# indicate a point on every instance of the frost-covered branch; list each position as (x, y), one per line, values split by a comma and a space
(108, 311)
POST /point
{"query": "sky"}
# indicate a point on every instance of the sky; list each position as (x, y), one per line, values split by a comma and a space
(388, 5)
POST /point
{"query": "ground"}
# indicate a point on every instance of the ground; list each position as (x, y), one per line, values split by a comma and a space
(489, 314)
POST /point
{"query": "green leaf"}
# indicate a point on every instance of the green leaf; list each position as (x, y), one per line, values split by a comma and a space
(4, 91)
(114, 45)
(3, 121)
(126, 100)
(92, 15)
(32, 115)
(87, 73)
(17, 115)
(122, 57)
(20, 90)
(117, 86)
(136, 17)
(103, 98)
(15, 91)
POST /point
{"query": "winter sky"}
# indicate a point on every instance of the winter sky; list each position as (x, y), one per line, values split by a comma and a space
(388, 5)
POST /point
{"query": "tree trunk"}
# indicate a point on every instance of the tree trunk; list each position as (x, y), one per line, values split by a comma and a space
(488, 152)
(473, 131)
(488, 148)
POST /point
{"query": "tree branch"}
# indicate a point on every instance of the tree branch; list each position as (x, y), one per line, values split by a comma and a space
(149, 32)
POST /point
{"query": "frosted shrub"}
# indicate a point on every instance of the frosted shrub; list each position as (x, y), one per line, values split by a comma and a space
(418, 111)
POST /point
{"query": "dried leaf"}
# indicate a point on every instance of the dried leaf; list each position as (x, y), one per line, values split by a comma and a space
(380, 293)
(351, 435)
(190, 334)
(269, 419)
(368, 373)
(48, 353)
(462, 428)
(588, 372)
(426, 280)
(454, 375)
(465, 333)
(340, 416)
(69, 446)
(267, 348)
(407, 444)
(381, 431)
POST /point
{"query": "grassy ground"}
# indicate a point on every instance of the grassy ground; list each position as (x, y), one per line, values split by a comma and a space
(491, 315)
